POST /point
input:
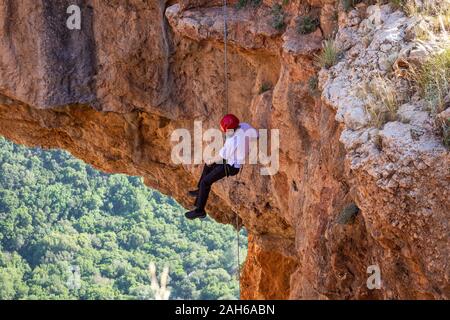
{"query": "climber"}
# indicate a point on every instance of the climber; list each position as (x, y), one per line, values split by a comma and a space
(227, 163)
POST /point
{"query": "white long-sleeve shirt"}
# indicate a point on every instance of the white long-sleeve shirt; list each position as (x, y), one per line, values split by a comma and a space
(236, 147)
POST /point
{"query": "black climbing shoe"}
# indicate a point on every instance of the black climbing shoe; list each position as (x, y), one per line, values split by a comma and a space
(194, 214)
(193, 193)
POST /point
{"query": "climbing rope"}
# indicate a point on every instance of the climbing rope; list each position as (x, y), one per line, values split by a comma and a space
(225, 42)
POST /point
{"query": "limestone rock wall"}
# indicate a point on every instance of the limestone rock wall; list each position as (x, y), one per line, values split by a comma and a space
(112, 93)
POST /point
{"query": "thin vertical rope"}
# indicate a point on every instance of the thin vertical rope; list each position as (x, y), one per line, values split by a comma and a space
(238, 255)
(225, 43)
(225, 38)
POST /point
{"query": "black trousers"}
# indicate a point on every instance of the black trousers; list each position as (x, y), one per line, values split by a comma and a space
(212, 173)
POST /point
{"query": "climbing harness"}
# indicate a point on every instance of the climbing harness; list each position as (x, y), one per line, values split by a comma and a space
(225, 41)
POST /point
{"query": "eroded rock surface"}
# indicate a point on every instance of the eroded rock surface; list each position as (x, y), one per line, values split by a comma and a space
(113, 92)
(401, 169)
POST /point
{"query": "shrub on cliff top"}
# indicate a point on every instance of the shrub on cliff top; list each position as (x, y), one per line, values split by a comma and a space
(307, 24)
(444, 128)
(427, 8)
(348, 214)
(349, 4)
(380, 100)
(329, 55)
(433, 78)
(278, 17)
(265, 86)
(243, 3)
(313, 84)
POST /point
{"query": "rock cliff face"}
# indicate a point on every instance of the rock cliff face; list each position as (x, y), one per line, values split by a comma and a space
(113, 92)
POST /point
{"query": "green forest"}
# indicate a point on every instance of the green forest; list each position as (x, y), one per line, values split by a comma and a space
(68, 231)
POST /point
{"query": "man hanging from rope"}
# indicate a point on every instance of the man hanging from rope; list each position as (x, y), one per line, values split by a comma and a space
(228, 163)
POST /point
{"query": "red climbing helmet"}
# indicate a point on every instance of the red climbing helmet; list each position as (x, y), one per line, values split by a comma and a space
(228, 122)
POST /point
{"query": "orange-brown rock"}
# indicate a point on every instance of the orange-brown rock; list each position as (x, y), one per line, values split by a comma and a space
(113, 92)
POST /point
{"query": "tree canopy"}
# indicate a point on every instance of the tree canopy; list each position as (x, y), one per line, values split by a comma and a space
(68, 231)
